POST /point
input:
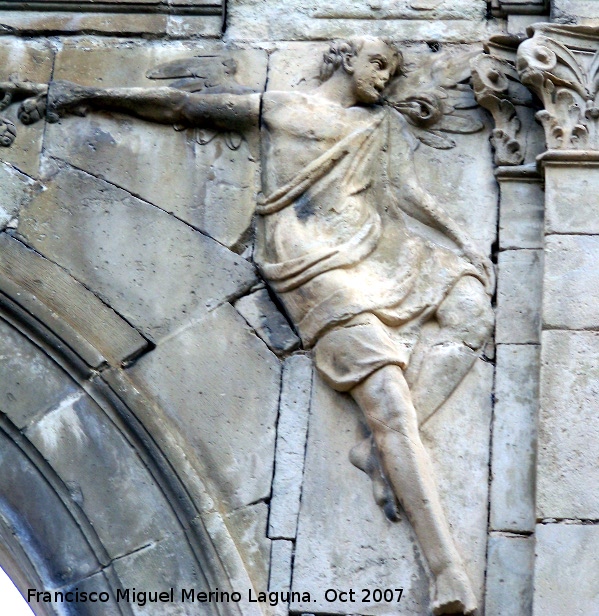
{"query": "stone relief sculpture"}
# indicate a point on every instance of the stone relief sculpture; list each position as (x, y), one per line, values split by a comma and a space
(333, 243)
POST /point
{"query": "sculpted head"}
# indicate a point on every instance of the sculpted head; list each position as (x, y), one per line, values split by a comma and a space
(369, 62)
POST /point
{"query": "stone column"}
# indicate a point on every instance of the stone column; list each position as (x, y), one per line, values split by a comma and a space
(516, 142)
(561, 65)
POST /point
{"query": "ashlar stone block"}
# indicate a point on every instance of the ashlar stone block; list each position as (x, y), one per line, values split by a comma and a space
(154, 270)
(220, 385)
(521, 214)
(566, 573)
(16, 190)
(568, 461)
(519, 292)
(571, 282)
(514, 438)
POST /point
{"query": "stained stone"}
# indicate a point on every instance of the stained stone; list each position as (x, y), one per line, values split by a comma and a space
(567, 469)
(566, 574)
(154, 270)
(571, 282)
(30, 382)
(510, 576)
(514, 438)
(267, 321)
(247, 526)
(16, 190)
(105, 476)
(220, 385)
(519, 282)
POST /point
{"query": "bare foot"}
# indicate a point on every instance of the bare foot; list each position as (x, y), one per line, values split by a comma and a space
(453, 594)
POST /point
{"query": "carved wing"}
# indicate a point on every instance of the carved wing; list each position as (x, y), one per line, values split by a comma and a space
(209, 75)
(436, 98)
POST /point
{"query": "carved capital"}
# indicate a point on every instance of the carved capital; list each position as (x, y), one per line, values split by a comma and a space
(491, 79)
(561, 65)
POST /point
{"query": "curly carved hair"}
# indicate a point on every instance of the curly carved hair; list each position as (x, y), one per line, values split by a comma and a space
(340, 51)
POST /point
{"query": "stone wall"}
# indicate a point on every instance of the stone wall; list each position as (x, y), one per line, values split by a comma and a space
(156, 403)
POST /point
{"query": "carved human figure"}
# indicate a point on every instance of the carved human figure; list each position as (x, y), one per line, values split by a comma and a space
(357, 282)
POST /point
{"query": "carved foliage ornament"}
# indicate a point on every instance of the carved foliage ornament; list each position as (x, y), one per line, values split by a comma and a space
(567, 82)
(491, 80)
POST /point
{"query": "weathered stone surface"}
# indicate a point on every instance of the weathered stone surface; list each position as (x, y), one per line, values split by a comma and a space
(514, 438)
(16, 190)
(31, 60)
(571, 206)
(30, 383)
(105, 476)
(267, 321)
(509, 576)
(521, 214)
(568, 469)
(96, 583)
(459, 21)
(247, 526)
(571, 282)
(161, 566)
(566, 11)
(281, 560)
(192, 173)
(344, 539)
(154, 270)
(292, 428)
(566, 574)
(65, 306)
(519, 292)
(220, 385)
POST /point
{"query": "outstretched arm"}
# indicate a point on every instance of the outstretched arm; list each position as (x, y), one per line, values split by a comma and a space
(163, 105)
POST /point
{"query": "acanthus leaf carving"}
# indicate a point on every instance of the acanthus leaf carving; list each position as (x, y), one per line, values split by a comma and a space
(491, 79)
(566, 79)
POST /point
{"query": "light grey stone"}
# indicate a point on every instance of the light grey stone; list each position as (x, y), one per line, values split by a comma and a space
(566, 11)
(571, 282)
(344, 539)
(29, 60)
(281, 559)
(268, 322)
(509, 576)
(566, 573)
(30, 382)
(154, 270)
(16, 190)
(104, 474)
(514, 438)
(517, 24)
(207, 184)
(247, 526)
(571, 206)
(220, 386)
(568, 468)
(521, 214)
(292, 428)
(519, 293)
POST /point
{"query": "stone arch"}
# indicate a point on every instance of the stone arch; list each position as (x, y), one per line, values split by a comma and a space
(97, 493)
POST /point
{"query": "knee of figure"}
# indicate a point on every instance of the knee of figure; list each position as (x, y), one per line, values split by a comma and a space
(467, 313)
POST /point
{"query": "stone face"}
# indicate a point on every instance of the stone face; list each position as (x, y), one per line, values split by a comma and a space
(566, 576)
(514, 438)
(519, 284)
(267, 321)
(571, 282)
(220, 385)
(154, 270)
(521, 214)
(104, 475)
(292, 428)
(568, 469)
(570, 205)
(509, 576)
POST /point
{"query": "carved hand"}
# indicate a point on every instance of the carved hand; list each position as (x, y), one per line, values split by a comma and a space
(13, 91)
(482, 263)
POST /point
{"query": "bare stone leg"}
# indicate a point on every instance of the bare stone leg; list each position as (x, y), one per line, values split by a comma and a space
(385, 400)
(466, 320)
